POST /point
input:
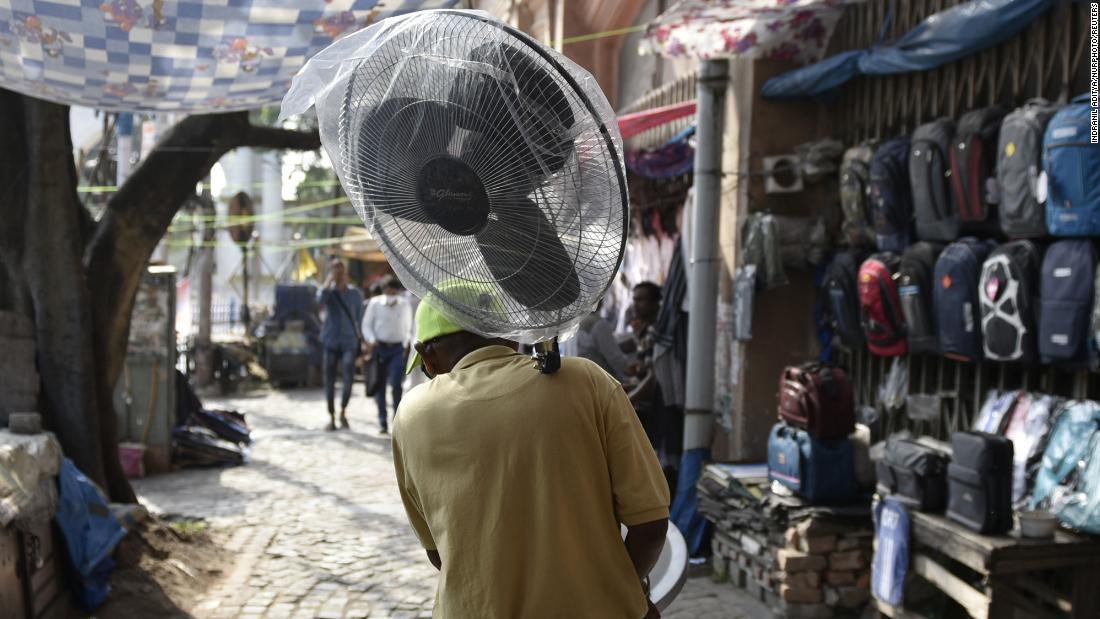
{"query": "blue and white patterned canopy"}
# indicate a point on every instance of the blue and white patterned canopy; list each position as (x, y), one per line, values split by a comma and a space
(188, 56)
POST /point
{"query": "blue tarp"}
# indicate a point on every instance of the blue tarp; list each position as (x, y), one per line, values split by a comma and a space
(941, 38)
(685, 507)
(91, 533)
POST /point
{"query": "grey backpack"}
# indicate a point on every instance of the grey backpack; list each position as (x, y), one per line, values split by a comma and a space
(929, 168)
(1019, 162)
(855, 190)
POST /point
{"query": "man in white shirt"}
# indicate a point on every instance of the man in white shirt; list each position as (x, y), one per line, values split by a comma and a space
(387, 328)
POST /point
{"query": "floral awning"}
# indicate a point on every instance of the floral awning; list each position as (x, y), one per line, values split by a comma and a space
(792, 30)
(173, 55)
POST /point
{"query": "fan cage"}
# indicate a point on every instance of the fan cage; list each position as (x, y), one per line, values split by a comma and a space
(457, 84)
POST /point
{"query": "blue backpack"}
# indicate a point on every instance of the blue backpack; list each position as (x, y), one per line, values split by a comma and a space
(891, 562)
(1072, 167)
(1065, 304)
(819, 471)
(1068, 444)
(958, 311)
(891, 200)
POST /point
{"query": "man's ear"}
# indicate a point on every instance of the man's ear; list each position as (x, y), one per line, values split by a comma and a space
(425, 356)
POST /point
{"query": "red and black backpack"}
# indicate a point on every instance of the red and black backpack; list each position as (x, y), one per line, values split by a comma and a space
(880, 306)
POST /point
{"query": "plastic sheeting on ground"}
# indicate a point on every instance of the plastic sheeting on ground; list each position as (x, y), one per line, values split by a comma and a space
(91, 533)
(941, 38)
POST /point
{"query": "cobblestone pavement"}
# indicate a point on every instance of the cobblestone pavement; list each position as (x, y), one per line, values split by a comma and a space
(317, 523)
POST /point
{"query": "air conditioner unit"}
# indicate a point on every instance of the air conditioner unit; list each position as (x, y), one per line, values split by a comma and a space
(782, 174)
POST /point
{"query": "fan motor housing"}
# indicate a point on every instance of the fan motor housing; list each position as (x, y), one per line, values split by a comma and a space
(453, 196)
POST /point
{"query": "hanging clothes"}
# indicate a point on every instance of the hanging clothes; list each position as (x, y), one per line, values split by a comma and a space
(670, 334)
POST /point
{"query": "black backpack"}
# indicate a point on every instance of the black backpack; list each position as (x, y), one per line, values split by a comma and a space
(973, 154)
(855, 189)
(891, 200)
(842, 297)
(958, 317)
(1007, 292)
(1019, 163)
(915, 290)
(929, 176)
(1065, 303)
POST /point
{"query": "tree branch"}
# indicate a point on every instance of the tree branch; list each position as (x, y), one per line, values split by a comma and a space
(139, 214)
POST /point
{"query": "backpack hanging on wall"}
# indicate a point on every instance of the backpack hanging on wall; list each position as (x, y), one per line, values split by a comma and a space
(891, 200)
(915, 292)
(855, 189)
(880, 307)
(1007, 292)
(842, 297)
(1065, 304)
(1072, 168)
(958, 317)
(973, 153)
(1019, 164)
(929, 177)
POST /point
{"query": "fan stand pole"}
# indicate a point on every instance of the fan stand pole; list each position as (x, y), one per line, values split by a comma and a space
(703, 269)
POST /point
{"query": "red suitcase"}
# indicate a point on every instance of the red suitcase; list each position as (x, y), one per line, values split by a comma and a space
(817, 398)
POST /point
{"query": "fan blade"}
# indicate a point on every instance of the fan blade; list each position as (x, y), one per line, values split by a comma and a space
(523, 252)
(527, 111)
(396, 137)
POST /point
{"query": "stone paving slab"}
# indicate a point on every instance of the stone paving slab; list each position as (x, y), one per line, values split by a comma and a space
(319, 530)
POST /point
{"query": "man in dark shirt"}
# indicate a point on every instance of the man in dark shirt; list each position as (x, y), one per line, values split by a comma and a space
(340, 337)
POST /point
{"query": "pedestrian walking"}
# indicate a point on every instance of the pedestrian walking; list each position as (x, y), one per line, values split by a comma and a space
(516, 482)
(387, 329)
(340, 337)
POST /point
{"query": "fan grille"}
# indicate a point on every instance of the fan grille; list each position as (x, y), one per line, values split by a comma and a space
(449, 94)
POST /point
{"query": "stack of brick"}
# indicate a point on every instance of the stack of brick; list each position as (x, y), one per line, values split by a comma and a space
(18, 377)
(816, 567)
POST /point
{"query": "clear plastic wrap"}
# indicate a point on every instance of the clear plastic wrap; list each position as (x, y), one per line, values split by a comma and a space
(476, 155)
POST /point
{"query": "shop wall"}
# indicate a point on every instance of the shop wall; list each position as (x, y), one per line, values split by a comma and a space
(783, 327)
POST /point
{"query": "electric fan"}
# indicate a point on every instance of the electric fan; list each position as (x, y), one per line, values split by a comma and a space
(486, 165)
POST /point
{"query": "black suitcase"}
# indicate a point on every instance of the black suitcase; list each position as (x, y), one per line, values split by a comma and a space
(914, 474)
(980, 482)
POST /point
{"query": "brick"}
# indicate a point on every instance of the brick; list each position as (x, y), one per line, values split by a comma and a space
(790, 536)
(831, 596)
(847, 560)
(812, 527)
(817, 545)
(863, 581)
(801, 580)
(838, 578)
(852, 597)
(794, 561)
(848, 543)
(807, 611)
(796, 595)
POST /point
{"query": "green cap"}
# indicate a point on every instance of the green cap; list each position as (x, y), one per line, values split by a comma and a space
(430, 324)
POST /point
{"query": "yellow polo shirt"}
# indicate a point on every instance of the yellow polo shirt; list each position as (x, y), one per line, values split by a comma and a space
(520, 481)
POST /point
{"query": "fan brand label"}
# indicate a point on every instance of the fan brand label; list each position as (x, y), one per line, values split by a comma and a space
(451, 194)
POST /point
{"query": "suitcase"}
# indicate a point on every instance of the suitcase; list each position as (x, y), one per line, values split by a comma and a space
(980, 482)
(819, 471)
(913, 474)
(817, 398)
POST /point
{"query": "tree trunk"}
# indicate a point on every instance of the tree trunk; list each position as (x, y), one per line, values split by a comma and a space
(79, 281)
(43, 240)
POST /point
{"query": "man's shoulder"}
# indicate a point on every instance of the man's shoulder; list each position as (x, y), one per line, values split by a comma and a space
(586, 372)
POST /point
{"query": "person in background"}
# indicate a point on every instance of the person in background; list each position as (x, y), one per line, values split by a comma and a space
(516, 482)
(340, 337)
(387, 329)
(596, 342)
(645, 394)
